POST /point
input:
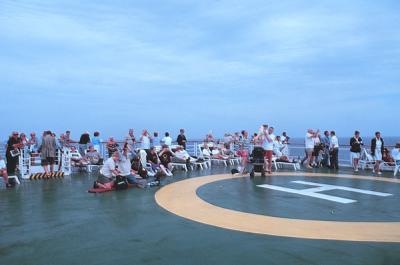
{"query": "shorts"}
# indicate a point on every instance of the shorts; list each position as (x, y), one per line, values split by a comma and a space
(268, 154)
(354, 155)
(309, 151)
(103, 179)
(47, 161)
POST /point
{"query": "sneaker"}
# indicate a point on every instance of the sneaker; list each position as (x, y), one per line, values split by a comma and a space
(379, 173)
(8, 185)
(356, 170)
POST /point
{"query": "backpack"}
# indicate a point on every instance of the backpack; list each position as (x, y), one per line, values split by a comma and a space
(121, 183)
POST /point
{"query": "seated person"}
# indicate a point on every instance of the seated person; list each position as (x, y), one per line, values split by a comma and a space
(396, 154)
(112, 146)
(278, 147)
(386, 157)
(165, 156)
(76, 158)
(217, 154)
(108, 172)
(125, 167)
(92, 156)
(226, 151)
(3, 172)
(182, 156)
(152, 159)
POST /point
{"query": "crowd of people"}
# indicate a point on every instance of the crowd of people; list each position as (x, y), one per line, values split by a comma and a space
(124, 157)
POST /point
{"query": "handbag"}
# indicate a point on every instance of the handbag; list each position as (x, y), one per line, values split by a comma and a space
(121, 183)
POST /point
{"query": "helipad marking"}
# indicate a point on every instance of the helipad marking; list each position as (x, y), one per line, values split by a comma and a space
(181, 199)
(313, 192)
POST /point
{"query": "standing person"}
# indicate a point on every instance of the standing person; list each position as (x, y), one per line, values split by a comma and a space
(167, 140)
(355, 149)
(326, 141)
(155, 141)
(145, 140)
(12, 153)
(84, 142)
(245, 141)
(3, 172)
(96, 141)
(285, 138)
(48, 152)
(268, 145)
(132, 139)
(334, 148)
(309, 147)
(182, 138)
(377, 147)
(33, 143)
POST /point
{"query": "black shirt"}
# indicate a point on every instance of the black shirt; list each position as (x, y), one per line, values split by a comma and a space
(11, 142)
(85, 139)
(153, 158)
(181, 140)
(165, 158)
(355, 146)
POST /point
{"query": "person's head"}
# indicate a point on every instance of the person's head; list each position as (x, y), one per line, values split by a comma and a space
(378, 135)
(333, 133)
(164, 147)
(152, 150)
(91, 148)
(205, 145)
(166, 134)
(181, 131)
(33, 135)
(111, 139)
(326, 133)
(115, 156)
(155, 134)
(15, 134)
(278, 138)
(22, 135)
(265, 126)
(270, 130)
(96, 134)
(144, 132)
(73, 148)
(284, 134)
(356, 133)
(68, 133)
(130, 132)
(62, 136)
(310, 130)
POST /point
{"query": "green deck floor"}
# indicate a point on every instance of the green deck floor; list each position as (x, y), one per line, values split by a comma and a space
(58, 222)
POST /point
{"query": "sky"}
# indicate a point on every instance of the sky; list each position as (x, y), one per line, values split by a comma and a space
(200, 65)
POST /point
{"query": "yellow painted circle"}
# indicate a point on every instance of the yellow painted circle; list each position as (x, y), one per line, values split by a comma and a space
(181, 199)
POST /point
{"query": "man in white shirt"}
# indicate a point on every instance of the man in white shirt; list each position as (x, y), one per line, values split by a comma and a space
(145, 140)
(268, 145)
(396, 153)
(309, 144)
(125, 167)
(108, 172)
(334, 150)
(167, 140)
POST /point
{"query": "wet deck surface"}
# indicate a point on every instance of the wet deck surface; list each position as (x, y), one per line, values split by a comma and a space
(58, 222)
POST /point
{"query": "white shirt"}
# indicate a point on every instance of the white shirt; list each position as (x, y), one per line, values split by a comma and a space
(108, 167)
(145, 142)
(309, 141)
(206, 153)
(334, 142)
(269, 145)
(74, 155)
(182, 154)
(167, 140)
(395, 154)
(124, 165)
(2, 164)
(277, 147)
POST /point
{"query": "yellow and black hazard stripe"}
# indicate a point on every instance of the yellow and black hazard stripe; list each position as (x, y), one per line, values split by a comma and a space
(54, 175)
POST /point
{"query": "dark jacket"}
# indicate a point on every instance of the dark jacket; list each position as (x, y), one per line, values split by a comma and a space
(355, 146)
(373, 146)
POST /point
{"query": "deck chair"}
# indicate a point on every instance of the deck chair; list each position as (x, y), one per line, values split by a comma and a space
(366, 160)
(396, 168)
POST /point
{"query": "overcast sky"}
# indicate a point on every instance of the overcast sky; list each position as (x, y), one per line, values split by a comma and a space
(201, 65)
